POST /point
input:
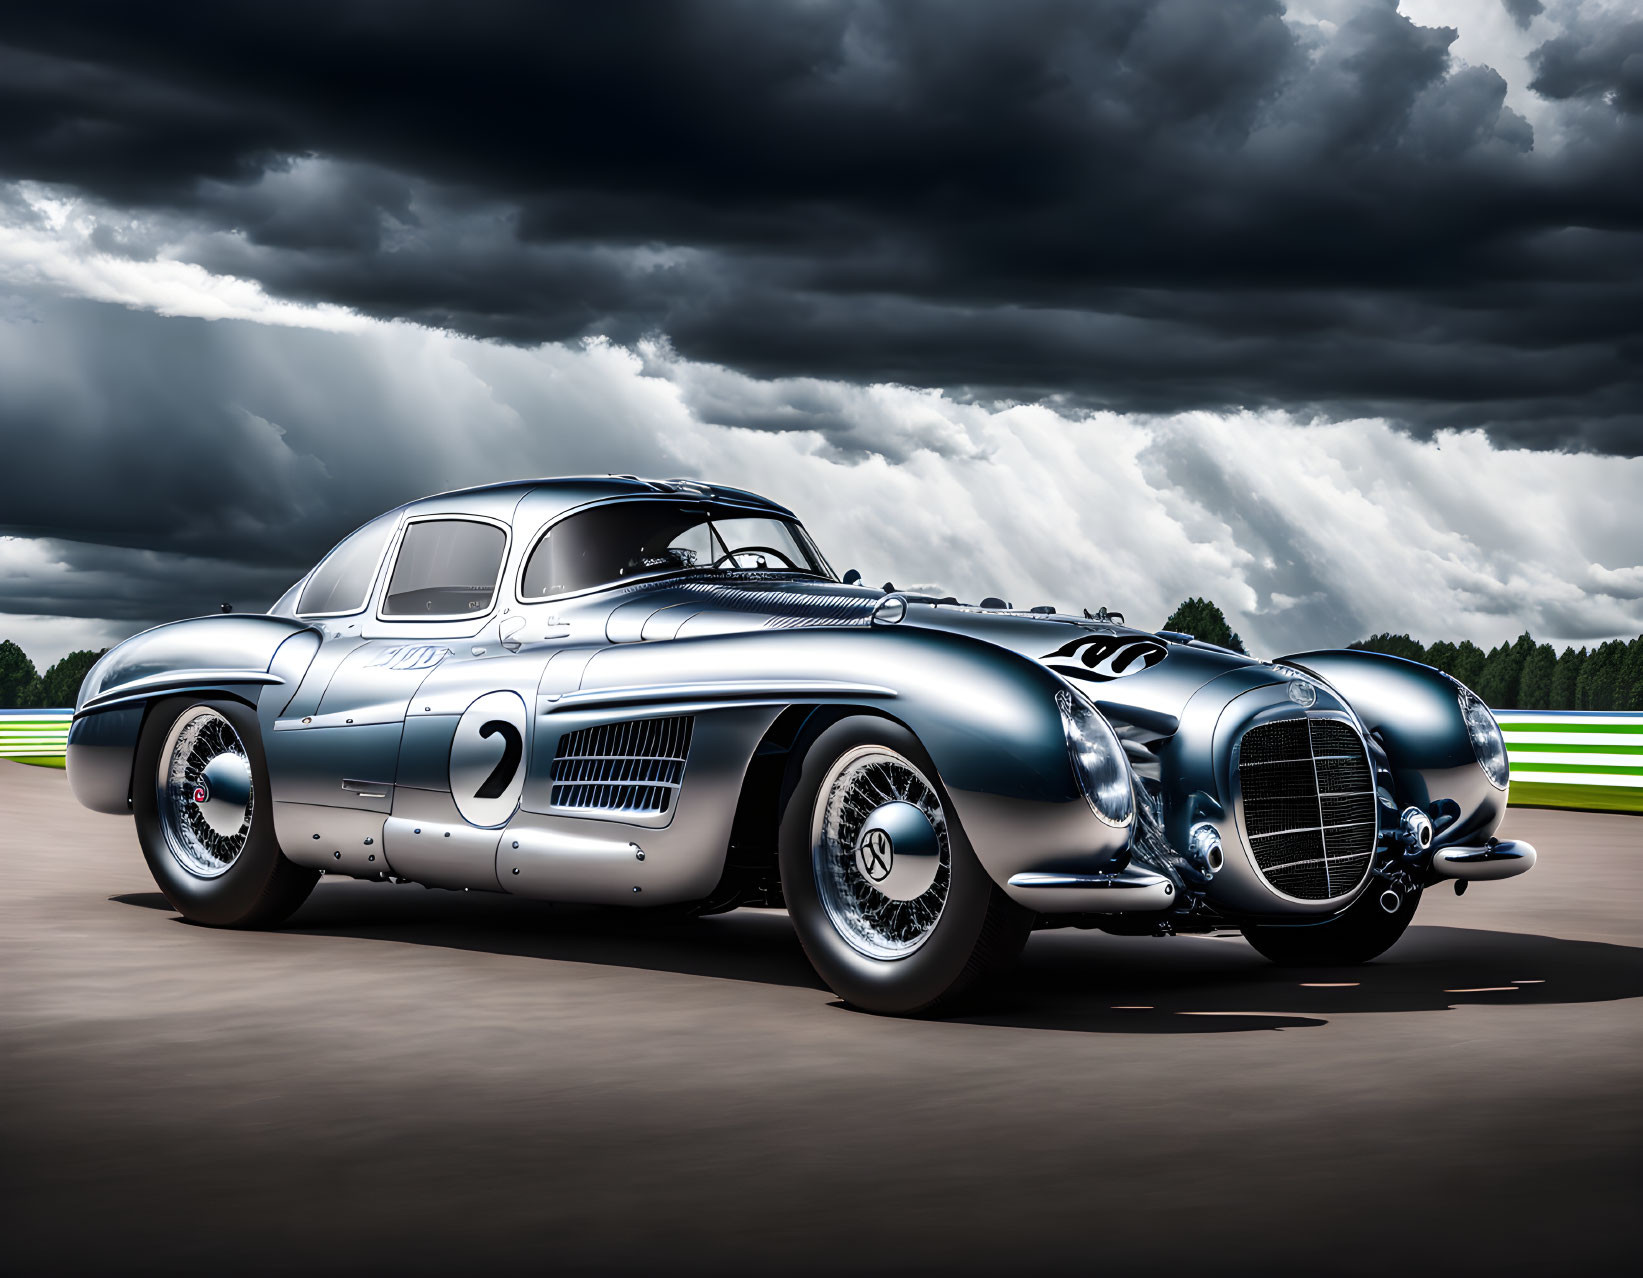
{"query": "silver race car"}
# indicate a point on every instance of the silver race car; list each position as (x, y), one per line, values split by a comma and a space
(658, 694)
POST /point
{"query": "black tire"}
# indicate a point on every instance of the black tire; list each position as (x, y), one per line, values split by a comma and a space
(260, 887)
(979, 932)
(1362, 932)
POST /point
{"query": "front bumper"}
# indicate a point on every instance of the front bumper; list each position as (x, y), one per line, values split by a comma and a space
(1496, 859)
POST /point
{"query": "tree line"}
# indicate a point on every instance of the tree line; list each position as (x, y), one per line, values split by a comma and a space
(1524, 675)
(22, 687)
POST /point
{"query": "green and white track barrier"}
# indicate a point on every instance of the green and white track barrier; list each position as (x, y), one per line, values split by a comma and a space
(1560, 759)
(35, 736)
(1575, 758)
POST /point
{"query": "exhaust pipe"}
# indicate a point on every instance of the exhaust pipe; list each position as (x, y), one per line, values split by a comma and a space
(1130, 890)
(1391, 902)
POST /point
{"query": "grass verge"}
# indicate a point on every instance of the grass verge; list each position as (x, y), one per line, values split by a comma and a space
(1588, 798)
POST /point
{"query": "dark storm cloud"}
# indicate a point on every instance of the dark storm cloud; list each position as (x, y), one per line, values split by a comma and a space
(1524, 11)
(135, 587)
(1144, 206)
(257, 445)
(1600, 58)
(158, 465)
(144, 450)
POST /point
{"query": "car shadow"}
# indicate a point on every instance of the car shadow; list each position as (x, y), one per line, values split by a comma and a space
(1202, 984)
(757, 945)
(1071, 981)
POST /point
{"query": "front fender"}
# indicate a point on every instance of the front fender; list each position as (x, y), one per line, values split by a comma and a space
(236, 655)
(986, 716)
(1413, 710)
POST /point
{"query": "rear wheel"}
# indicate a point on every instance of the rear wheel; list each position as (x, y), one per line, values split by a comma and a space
(1364, 930)
(200, 796)
(892, 907)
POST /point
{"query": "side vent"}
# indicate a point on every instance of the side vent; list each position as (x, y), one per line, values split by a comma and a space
(630, 769)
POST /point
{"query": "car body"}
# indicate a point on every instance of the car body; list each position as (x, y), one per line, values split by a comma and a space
(619, 691)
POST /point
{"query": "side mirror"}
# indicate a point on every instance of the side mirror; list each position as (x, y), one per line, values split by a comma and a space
(852, 578)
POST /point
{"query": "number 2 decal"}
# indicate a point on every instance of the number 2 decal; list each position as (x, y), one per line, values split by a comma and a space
(488, 759)
(513, 749)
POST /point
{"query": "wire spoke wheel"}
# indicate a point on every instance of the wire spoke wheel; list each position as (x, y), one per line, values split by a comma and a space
(205, 793)
(881, 852)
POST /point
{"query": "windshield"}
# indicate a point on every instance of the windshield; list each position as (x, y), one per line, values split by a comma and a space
(342, 583)
(627, 540)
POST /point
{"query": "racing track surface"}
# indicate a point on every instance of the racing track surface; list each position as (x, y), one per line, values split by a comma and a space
(423, 1081)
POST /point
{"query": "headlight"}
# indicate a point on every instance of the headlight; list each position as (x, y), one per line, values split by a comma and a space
(1487, 743)
(1097, 759)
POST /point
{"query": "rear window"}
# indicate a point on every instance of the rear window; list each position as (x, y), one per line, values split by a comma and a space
(445, 568)
(342, 583)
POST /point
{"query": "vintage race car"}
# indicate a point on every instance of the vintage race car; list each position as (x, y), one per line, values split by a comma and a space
(658, 694)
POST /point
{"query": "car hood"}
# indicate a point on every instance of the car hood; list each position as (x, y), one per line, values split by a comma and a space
(1111, 664)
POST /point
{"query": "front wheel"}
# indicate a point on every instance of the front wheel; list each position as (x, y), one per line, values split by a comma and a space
(892, 907)
(205, 819)
(1364, 930)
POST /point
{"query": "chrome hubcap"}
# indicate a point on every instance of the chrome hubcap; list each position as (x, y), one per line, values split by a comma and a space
(898, 850)
(880, 849)
(205, 792)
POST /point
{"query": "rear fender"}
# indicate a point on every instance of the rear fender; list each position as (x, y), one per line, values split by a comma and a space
(249, 658)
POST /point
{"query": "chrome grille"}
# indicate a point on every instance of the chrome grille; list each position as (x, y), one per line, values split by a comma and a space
(633, 767)
(1309, 805)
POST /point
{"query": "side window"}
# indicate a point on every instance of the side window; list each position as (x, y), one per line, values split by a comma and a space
(342, 583)
(445, 568)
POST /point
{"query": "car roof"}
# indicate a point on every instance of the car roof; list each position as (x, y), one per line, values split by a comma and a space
(549, 497)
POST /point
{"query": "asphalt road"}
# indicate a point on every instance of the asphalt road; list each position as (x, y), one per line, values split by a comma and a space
(438, 1082)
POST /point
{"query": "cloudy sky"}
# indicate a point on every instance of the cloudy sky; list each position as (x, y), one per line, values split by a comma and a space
(1332, 311)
